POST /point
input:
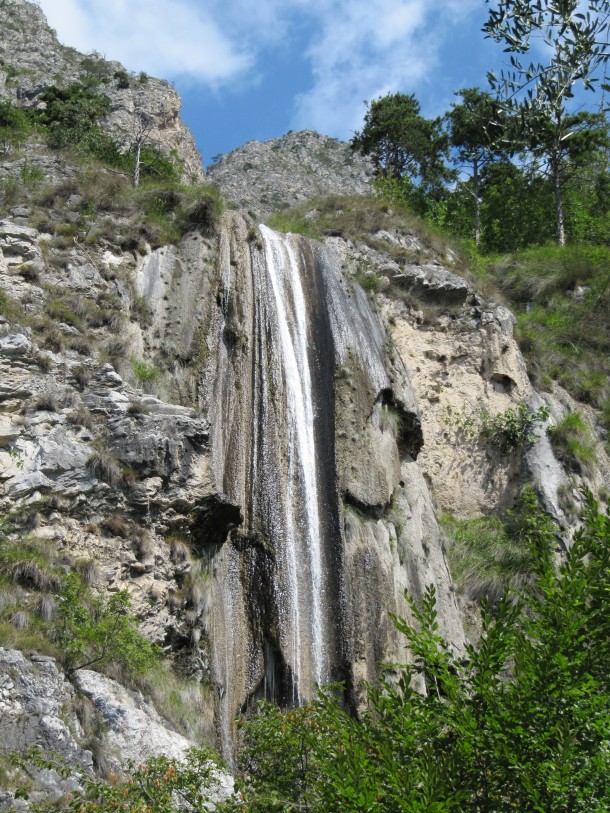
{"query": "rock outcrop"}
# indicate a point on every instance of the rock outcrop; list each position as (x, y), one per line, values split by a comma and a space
(96, 722)
(31, 57)
(263, 177)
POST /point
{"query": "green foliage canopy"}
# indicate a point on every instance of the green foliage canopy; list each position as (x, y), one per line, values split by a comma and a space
(575, 36)
(93, 630)
(71, 113)
(14, 125)
(476, 128)
(402, 143)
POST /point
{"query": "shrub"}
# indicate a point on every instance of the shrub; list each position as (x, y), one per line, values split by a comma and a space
(370, 282)
(508, 430)
(30, 174)
(144, 373)
(94, 630)
(71, 113)
(122, 79)
(512, 429)
(14, 126)
(159, 784)
(62, 311)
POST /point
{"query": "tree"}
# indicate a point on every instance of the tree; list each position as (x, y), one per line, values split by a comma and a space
(517, 208)
(139, 155)
(403, 144)
(475, 131)
(578, 49)
(559, 147)
(140, 138)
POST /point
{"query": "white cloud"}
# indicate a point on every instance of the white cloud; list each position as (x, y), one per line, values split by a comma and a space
(368, 48)
(167, 38)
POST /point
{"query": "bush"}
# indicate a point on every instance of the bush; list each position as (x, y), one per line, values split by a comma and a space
(508, 430)
(71, 113)
(122, 78)
(512, 429)
(370, 282)
(94, 631)
(521, 724)
(159, 785)
(14, 126)
(144, 373)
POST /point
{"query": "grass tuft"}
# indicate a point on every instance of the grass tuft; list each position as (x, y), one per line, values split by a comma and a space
(561, 297)
(484, 560)
(573, 444)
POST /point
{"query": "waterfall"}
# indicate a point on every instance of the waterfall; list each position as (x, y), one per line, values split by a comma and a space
(285, 475)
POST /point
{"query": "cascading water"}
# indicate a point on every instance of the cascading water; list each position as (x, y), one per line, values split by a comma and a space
(285, 387)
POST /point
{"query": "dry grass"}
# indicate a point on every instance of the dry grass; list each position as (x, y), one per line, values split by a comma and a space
(105, 466)
(188, 704)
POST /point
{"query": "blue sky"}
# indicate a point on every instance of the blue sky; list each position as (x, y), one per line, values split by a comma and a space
(254, 69)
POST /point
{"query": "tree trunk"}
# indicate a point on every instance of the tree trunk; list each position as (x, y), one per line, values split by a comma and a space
(477, 202)
(136, 168)
(559, 213)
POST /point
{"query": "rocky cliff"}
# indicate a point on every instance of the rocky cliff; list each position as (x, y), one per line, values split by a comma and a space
(282, 172)
(31, 57)
(254, 434)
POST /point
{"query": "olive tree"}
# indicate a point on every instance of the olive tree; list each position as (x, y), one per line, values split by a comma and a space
(575, 36)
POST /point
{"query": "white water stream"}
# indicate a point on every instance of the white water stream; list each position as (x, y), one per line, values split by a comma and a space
(303, 593)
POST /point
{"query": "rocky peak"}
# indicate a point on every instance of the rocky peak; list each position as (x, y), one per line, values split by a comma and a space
(282, 172)
(31, 57)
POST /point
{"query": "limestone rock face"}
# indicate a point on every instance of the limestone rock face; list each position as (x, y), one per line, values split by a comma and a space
(30, 47)
(38, 709)
(262, 177)
(32, 693)
(232, 430)
(132, 725)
